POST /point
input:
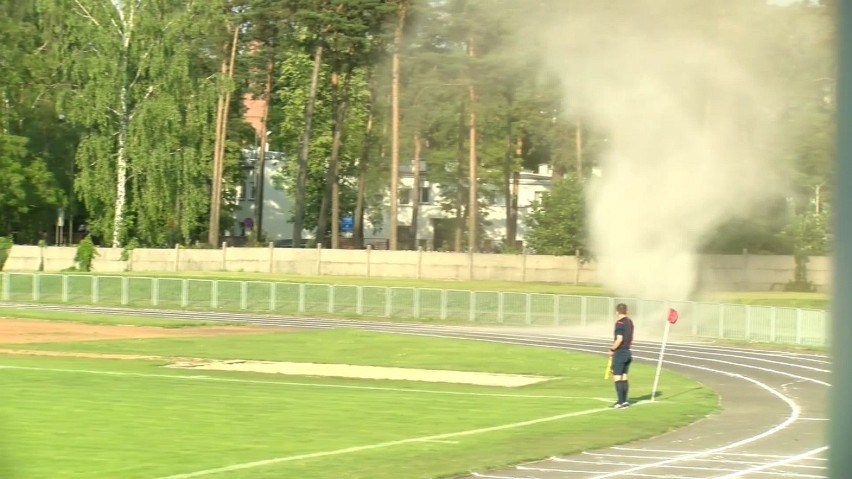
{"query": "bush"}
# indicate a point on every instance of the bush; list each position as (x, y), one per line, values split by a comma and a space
(128, 249)
(86, 253)
(5, 246)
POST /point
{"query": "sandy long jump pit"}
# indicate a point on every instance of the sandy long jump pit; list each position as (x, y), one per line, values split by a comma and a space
(20, 332)
(365, 372)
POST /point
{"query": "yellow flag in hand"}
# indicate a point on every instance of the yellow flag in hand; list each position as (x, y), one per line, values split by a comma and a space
(608, 372)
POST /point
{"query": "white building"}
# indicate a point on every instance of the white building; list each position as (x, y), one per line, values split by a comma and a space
(277, 206)
(434, 226)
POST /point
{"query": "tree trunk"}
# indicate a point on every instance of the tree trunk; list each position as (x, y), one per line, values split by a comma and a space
(363, 163)
(460, 193)
(121, 169)
(331, 191)
(415, 192)
(473, 206)
(124, 116)
(508, 169)
(322, 220)
(302, 173)
(261, 158)
(334, 168)
(394, 186)
(219, 146)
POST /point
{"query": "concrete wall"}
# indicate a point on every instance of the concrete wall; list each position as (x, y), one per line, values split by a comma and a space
(718, 272)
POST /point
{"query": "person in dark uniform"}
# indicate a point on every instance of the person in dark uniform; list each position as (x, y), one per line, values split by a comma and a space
(620, 354)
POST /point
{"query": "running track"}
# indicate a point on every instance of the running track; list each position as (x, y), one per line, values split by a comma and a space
(773, 422)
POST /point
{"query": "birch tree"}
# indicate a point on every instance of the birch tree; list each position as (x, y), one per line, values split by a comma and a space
(139, 87)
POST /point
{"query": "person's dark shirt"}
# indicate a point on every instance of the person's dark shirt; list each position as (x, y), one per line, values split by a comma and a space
(624, 327)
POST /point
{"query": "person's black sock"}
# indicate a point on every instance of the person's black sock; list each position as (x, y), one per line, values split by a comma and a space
(619, 389)
(626, 390)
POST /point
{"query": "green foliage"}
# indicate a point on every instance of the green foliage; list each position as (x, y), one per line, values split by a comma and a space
(86, 253)
(5, 246)
(556, 223)
(128, 249)
(143, 92)
(810, 235)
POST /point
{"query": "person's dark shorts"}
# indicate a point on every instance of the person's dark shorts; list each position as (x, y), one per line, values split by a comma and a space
(621, 360)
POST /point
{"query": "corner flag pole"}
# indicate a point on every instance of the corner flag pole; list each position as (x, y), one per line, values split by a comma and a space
(672, 318)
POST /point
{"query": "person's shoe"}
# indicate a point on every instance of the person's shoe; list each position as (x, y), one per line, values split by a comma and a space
(620, 405)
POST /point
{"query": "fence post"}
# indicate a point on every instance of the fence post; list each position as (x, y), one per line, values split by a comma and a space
(273, 301)
(369, 254)
(155, 291)
(214, 294)
(721, 321)
(331, 299)
(417, 303)
(359, 300)
(184, 293)
(524, 265)
(472, 312)
(94, 289)
(64, 288)
(799, 325)
(125, 290)
(243, 295)
(271, 258)
(584, 310)
(578, 265)
(177, 257)
(224, 256)
(773, 324)
(500, 299)
(556, 310)
(528, 309)
(36, 284)
(319, 259)
(302, 297)
(444, 294)
(7, 288)
(388, 302)
(470, 263)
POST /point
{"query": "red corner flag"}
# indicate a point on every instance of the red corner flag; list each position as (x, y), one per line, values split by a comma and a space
(672, 315)
(672, 318)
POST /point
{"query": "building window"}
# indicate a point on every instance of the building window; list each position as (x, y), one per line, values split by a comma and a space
(425, 195)
(538, 196)
(405, 196)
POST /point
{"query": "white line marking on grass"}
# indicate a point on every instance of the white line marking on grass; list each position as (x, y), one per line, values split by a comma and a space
(288, 383)
(381, 445)
(781, 462)
(439, 441)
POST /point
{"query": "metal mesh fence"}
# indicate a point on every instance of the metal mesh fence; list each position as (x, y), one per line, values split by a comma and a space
(702, 320)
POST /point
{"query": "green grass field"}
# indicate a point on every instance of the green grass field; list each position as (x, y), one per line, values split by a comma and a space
(99, 418)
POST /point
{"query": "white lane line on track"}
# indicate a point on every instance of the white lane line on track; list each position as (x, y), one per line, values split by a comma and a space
(297, 384)
(669, 472)
(733, 454)
(795, 410)
(717, 458)
(381, 445)
(780, 462)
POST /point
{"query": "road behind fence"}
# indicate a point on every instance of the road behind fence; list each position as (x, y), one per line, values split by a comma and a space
(699, 320)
